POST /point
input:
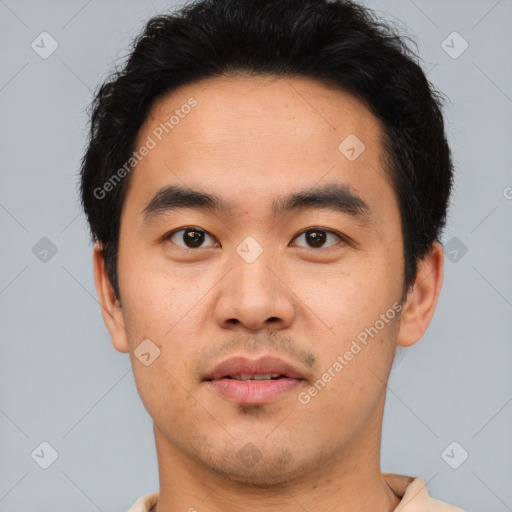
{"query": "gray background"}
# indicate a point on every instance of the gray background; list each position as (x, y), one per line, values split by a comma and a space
(62, 382)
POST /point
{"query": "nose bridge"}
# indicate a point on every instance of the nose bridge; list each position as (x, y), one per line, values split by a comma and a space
(253, 279)
(252, 294)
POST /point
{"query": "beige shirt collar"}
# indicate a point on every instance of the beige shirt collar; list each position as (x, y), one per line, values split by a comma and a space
(412, 490)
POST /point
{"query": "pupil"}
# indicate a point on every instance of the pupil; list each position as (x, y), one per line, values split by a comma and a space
(316, 238)
(193, 238)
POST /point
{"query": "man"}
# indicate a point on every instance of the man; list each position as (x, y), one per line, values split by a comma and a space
(266, 183)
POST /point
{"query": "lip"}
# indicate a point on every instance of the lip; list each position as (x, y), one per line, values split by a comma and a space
(253, 392)
(240, 364)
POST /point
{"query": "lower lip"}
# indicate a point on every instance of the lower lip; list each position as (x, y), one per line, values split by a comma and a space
(250, 392)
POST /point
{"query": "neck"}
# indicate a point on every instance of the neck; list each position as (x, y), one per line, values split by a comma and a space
(347, 481)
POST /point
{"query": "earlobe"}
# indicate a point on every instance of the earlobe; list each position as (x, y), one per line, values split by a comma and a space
(421, 301)
(110, 307)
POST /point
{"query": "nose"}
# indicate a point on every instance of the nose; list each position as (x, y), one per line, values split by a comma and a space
(254, 296)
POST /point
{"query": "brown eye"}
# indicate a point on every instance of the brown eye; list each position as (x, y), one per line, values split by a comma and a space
(188, 238)
(316, 238)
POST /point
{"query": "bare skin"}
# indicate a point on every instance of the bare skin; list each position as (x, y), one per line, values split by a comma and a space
(251, 140)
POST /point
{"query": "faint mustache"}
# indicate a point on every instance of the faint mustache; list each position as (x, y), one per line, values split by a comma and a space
(264, 341)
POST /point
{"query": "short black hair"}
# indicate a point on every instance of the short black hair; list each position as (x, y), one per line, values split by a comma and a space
(339, 43)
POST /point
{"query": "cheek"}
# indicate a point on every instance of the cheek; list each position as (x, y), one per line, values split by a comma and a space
(355, 319)
(155, 301)
(167, 310)
(343, 303)
(352, 380)
(163, 394)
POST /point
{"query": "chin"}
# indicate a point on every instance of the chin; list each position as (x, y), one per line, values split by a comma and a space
(251, 467)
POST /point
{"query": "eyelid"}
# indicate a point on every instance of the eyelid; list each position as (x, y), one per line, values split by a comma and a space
(343, 238)
(170, 234)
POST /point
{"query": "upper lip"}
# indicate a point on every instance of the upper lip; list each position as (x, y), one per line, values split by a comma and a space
(243, 365)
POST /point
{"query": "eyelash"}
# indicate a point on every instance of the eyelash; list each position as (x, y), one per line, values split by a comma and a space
(342, 238)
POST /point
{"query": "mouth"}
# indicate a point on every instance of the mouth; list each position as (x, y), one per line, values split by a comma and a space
(256, 376)
(253, 382)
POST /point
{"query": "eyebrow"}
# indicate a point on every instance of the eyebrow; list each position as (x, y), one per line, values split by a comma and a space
(330, 196)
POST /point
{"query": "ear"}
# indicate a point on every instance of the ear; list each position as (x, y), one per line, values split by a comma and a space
(421, 300)
(110, 306)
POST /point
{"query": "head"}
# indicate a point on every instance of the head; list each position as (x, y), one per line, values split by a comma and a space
(301, 133)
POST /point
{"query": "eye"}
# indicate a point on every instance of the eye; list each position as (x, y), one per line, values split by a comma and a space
(317, 237)
(188, 238)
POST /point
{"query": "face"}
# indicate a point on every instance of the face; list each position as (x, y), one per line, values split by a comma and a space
(314, 281)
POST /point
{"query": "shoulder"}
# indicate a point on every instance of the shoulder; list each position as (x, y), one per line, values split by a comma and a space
(415, 497)
(144, 503)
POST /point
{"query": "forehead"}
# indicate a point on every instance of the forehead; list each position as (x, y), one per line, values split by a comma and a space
(248, 135)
